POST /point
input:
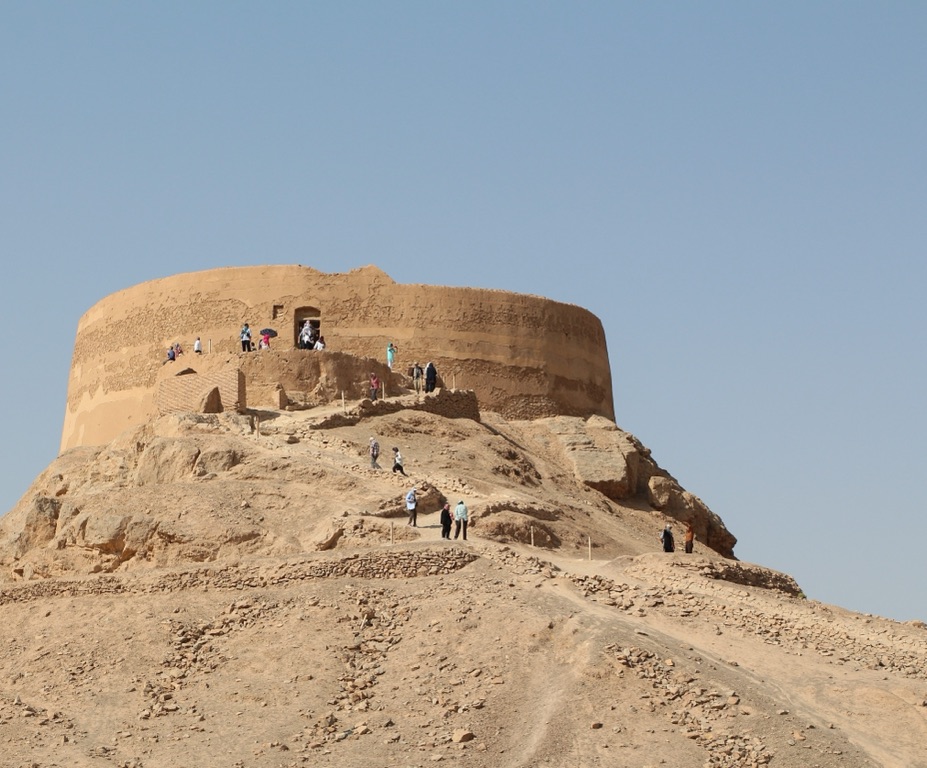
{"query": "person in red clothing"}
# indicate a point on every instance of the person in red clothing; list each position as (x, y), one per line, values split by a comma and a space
(689, 538)
(374, 386)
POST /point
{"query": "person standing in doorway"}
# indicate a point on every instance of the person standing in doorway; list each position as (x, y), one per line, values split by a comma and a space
(412, 507)
(460, 519)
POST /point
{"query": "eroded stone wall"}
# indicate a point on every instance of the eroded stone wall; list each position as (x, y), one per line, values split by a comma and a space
(186, 391)
(524, 356)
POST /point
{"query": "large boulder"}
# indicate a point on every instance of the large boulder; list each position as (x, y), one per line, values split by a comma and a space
(615, 463)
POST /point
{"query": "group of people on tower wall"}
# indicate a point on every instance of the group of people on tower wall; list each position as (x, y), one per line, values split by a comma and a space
(174, 351)
(310, 338)
(423, 379)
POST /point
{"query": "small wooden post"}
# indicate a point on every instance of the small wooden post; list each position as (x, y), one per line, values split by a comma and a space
(391, 532)
(257, 425)
(343, 406)
(209, 346)
(532, 535)
(455, 382)
(589, 540)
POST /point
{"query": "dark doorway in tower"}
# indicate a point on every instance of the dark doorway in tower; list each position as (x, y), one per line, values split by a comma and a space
(307, 327)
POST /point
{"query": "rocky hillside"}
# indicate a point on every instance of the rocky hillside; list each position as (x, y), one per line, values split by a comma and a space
(216, 590)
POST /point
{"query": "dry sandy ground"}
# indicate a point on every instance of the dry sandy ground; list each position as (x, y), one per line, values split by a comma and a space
(483, 653)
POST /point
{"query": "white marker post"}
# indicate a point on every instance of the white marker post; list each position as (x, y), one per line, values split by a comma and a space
(589, 540)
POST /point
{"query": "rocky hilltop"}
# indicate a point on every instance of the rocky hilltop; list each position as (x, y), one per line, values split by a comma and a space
(242, 590)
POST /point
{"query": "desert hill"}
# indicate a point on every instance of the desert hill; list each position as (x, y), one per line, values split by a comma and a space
(243, 590)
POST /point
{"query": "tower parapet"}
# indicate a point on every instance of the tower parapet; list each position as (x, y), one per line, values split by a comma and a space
(524, 356)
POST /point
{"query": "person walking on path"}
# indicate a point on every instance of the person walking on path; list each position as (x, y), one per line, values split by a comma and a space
(412, 507)
(446, 521)
(374, 386)
(397, 462)
(245, 338)
(431, 377)
(667, 538)
(391, 351)
(460, 518)
(689, 538)
(374, 451)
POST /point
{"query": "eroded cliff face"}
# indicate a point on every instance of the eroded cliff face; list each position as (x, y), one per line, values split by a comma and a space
(191, 487)
(525, 356)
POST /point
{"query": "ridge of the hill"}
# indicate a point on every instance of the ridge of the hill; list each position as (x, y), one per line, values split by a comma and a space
(244, 591)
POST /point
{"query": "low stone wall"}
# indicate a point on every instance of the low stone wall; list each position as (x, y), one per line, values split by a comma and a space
(187, 391)
(451, 404)
(391, 564)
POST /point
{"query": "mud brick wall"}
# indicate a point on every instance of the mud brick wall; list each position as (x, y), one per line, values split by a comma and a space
(186, 391)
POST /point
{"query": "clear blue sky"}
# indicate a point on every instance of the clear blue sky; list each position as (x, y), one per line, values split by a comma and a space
(736, 189)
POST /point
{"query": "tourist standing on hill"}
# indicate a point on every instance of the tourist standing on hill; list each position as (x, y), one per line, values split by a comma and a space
(374, 450)
(446, 521)
(460, 519)
(431, 377)
(265, 341)
(374, 386)
(689, 538)
(667, 538)
(417, 375)
(245, 338)
(198, 346)
(391, 351)
(412, 507)
(397, 461)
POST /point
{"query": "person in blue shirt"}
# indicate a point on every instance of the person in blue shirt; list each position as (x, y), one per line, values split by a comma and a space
(460, 519)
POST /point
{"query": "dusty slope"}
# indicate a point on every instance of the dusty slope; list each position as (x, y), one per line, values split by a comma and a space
(223, 638)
